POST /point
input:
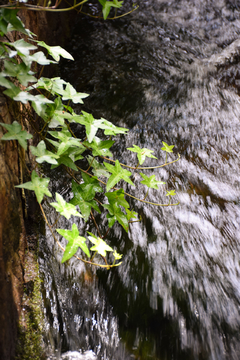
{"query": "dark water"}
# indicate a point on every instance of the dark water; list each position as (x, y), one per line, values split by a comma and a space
(169, 72)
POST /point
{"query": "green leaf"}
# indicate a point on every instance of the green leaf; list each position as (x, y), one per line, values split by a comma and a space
(43, 155)
(142, 153)
(131, 214)
(167, 148)
(171, 193)
(24, 97)
(84, 200)
(66, 141)
(40, 105)
(5, 82)
(118, 173)
(116, 198)
(150, 181)
(98, 169)
(53, 85)
(110, 129)
(90, 186)
(56, 51)
(90, 123)
(106, 6)
(15, 132)
(117, 256)
(74, 242)
(20, 71)
(65, 208)
(41, 59)
(22, 47)
(100, 245)
(116, 214)
(71, 94)
(12, 91)
(65, 160)
(38, 185)
(100, 148)
(10, 16)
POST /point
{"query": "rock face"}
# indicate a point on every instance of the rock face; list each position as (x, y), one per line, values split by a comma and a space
(53, 28)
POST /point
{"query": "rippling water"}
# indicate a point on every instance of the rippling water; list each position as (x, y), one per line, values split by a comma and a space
(169, 72)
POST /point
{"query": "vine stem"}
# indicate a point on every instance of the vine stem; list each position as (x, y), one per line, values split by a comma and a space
(41, 8)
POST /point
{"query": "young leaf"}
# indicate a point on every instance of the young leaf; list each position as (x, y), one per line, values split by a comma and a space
(100, 245)
(118, 173)
(171, 193)
(84, 200)
(150, 181)
(116, 255)
(66, 141)
(56, 51)
(15, 132)
(38, 185)
(74, 242)
(142, 153)
(131, 214)
(65, 208)
(43, 155)
(167, 148)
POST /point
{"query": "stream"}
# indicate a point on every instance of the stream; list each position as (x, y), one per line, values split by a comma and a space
(169, 71)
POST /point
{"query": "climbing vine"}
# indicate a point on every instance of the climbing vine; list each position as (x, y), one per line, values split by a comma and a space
(53, 119)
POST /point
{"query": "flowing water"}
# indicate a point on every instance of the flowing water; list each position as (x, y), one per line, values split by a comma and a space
(169, 72)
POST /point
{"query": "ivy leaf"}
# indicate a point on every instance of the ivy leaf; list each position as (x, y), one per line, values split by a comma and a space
(56, 51)
(64, 208)
(100, 245)
(5, 82)
(15, 132)
(117, 256)
(24, 97)
(118, 173)
(65, 160)
(43, 155)
(84, 200)
(110, 129)
(106, 6)
(22, 47)
(53, 85)
(66, 141)
(38, 185)
(90, 123)
(40, 106)
(142, 153)
(90, 186)
(167, 148)
(150, 181)
(10, 16)
(74, 242)
(171, 193)
(100, 148)
(71, 94)
(116, 198)
(131, 214)
(12, 91)
(40, 58)
(21, 71)
(98, 169)
(116, 214)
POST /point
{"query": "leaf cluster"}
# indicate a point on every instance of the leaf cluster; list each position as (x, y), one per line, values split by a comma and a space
(94, 189)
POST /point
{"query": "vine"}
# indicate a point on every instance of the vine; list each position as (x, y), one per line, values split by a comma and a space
(58, 145)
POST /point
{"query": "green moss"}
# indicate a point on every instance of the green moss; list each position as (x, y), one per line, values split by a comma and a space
(30, 341)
